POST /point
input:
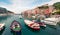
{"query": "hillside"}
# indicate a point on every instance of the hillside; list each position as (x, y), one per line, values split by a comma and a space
(4, 10)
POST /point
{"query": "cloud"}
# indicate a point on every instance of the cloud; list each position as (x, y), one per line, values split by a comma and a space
(53, 1)
(18, 6)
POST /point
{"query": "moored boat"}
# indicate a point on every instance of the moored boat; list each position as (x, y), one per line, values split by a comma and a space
(40, 23)
(2, 26)
(15, 26)
(32, 24)
(51, 21)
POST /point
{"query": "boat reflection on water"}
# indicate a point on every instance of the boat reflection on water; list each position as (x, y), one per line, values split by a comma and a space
(2, 31)
(42, 27)
(53, 27)
(16, 33)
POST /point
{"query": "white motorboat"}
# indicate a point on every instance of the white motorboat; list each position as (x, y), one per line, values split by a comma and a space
(32, 24)
(51, 21)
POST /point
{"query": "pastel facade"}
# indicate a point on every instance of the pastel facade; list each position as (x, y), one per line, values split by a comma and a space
(39, 10)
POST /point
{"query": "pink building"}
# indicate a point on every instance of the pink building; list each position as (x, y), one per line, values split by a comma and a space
(36, 11)
(49, 10)
(29, 13)
(39, 10)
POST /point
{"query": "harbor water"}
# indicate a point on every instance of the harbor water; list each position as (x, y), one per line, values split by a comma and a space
(49, 30)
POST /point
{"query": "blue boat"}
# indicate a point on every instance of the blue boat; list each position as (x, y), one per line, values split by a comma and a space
(15, 26)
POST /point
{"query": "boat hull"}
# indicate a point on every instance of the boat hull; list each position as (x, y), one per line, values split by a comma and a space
(51, 21)
(11, 27)
(40, 23)
(29, 24)
(2, 26)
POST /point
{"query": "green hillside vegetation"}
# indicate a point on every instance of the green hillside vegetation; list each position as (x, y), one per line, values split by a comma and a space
(57, 7)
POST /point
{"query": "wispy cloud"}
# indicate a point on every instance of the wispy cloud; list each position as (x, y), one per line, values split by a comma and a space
(18, 6)
(53, 1)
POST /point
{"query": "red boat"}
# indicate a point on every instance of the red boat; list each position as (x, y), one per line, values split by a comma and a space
(40, 23)
(15, 26)
(32, 24)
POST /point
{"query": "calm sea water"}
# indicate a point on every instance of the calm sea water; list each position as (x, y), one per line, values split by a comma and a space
(49, 30)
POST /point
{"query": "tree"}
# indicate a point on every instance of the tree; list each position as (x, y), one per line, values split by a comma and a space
(57, 5)
(58, 12)
(43, 7)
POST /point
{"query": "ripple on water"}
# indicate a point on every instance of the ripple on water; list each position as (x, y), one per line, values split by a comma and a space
(49, 30)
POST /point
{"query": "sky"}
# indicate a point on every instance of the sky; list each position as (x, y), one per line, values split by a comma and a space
(19, 6)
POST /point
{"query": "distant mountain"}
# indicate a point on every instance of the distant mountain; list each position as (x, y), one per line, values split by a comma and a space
(10, 12)
(4, 10)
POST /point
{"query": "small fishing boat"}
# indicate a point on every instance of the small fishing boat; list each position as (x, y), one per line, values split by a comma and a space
(2, 26)
(32, 24)
(15, 26)
(40, 23)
